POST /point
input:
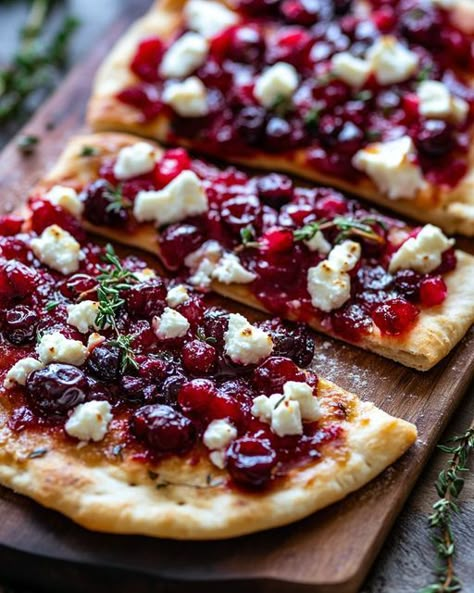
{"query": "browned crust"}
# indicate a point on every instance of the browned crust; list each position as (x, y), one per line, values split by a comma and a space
(103, 493)
(437, 331)
(451, 209)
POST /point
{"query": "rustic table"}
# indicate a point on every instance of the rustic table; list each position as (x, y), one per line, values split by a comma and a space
(405, 563)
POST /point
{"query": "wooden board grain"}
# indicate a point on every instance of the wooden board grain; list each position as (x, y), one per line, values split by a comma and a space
(328, 552)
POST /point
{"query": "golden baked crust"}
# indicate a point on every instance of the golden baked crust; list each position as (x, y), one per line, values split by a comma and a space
(181, 500)
(437, 331)
(450, 209)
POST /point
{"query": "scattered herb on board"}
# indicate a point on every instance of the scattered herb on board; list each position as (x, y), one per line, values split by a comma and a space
(27, 144)
(88, 151)
(449, 486)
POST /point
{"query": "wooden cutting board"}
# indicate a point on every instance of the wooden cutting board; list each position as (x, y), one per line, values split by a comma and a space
(331, 551)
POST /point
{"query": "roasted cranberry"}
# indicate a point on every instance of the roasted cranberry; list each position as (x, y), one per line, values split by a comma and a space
(57, 388)
(214, 325)
(407, 284)
(152, 368)
(292, 45)
(104, 362)
(173, 162)
(102, 207)
(17, 280)
(197, 395)
(275, 189)
(163, 429)
(242, 211)
(44, 214)
(350, 138)
(20, 324)
(420, 25)
(435, 137)
(277, 134)
(225, 406)
(78, 284)
(246, 44)
(291, 341)
(351, 322)
(331, 206)
(145, 98)
(301, 12)
(15, 248)
(10, 225)
(177, 241)
(250, 124)
(171, 386)
(193, 309)
(147, 59)
(198, 357)
(395, 316)
(270, 376)
(146, 298)
(448, 262)
(277, 240)
(250, 461)
(138, 389)
(433, 291)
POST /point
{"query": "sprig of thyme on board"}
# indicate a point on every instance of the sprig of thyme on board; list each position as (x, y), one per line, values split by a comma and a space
(449, 486)
(36, 63)
(347, 226)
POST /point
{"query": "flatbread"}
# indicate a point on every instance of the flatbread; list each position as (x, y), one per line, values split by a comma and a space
(451, 209)
(437, 331)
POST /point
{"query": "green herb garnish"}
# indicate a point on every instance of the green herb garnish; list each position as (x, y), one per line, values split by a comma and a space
(347, 227)
(373, 135)
(50, 305)
(201, 336)
(116, 200)
(282, 105)
(425, 73)
(449, 486)
(27, 144)
(248, 237)
(89, 151)
(311, 119)
(124, 342)
(364, 95)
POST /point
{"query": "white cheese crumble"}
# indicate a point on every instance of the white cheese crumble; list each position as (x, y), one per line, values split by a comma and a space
(138, 159)
(391, 61)
(391, 166)
(177, 295)
(279, 81)
(286, 418)
(67, 198)
(57, 249)
(318, 243)
(144, 275)
(187, 98)
(83, 315)
(170, 325)
(219, 434)
(303, 394)
(20, 371)
(437, 101)
(55, 347)
(184, 196)
(422, 253)
(202, 263)
(208, 18)
(229, 270)
(328, 283)
(94, 340)
(245, 343)
(89, 421)
(354, 71)
(184, 56)
(218, 458)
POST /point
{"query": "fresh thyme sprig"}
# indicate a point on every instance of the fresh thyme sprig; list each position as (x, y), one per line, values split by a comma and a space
(347, 227)
(124, 342)
(248, 237)
(36, 63)
(449, 486)
(115, 198)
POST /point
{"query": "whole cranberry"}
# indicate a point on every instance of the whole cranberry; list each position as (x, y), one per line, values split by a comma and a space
(277, 240)
(44, 214)
(57, 388)
(433, 291)
(395, 316)
(214, 325)
(171, 386)
(351, 322)
(138, 389)
(19, 324)
(435, 137)
(10, 225)
(144, 97)
(171, 164)
(153, 368)
(246, 44)
(448, 261)
(300, 12)
(331, 206)
(197, 395)
(250, 124)
(104, 362)
(147, 59)
(420, 25)
(271, 375)
(275, 189)
(177, 241)
(101, 207)
(277, 134)
(76, 284)
(146, 298)
(163, 428)
(17, 280)
(199, 357)
(242, 211)
(407, 284)
(290, 341)
(250, 461)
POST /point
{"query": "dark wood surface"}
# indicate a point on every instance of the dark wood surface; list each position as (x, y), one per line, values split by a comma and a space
(335, 547)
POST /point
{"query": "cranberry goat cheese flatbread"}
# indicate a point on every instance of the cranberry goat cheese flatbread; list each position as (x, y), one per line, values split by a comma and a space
(131, 406)
(374, 98)
(306, 254)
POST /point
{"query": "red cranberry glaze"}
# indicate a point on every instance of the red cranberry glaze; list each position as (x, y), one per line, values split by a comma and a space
(325, 117)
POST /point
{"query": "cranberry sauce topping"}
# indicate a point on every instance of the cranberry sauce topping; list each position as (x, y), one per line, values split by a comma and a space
(272, 226)
(330, 116)
(165, 382)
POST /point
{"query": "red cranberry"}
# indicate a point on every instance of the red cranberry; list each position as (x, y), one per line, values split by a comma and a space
(146, 298)
(278, 135)
(213, 75)
(78, 284)
(433, 291)
(448, 262)
(395, 316)
(104, 362)
(300, 12)
(242, 211)
(331, 206)
(20, 324)
(292, 45)
(100, 207)
(145, 98)
(246, 44)
(349, 138)
(407, 284)
(10, 225)
(351, 322)
(17, 280)
(153, 369)
(137, 389)
(275, 189)
(291, 341)
(199, 357)
(250, 461)
(15, 248)
(44, 214)
(177, 241)
(250, 124)
(163, 429)
(147, 59)
(197, 395)
(214, 324)
(171, 386)
(225, 406)
(57, 388)
(420, 25)
(270, 376)
(173, 162)
(435, 137)
(277, 240)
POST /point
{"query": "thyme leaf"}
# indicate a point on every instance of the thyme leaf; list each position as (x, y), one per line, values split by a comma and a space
(248, 237)
(115, 198)
(50, 305)
(347, 227)
(124, 343)
(88, 151)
